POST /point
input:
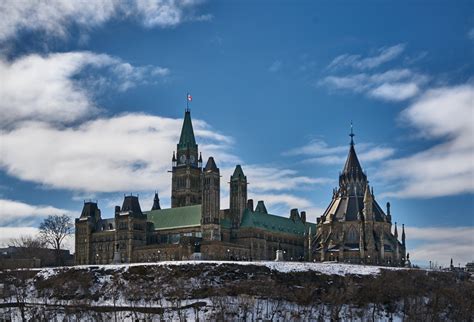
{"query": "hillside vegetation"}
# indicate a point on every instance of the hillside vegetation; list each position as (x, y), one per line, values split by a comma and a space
(235, 291)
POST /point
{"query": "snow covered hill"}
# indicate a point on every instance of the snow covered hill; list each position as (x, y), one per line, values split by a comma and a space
(220, 290)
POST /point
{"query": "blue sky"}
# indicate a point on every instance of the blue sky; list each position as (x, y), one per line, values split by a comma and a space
(92, 96)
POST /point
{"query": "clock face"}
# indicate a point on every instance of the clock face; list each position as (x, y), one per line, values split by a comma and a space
(192, 159)
(183, 158)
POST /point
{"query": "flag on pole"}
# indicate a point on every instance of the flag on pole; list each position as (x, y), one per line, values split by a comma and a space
(190, 98)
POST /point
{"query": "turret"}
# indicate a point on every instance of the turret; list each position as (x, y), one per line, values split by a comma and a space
(403, 235)
(156, 202)
(389, 216)
(238, 195)
(200, 160)
(210, 201)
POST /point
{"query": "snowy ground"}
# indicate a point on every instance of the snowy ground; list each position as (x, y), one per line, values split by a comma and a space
(328, 268)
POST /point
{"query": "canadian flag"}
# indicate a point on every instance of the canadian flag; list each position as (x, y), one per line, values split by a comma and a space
(190, 98)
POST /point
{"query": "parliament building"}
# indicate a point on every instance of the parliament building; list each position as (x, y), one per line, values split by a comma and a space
(354, 228)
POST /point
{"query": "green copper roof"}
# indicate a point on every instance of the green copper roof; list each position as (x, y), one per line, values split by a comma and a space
(252, 219)
(187, 139)
(171, 218)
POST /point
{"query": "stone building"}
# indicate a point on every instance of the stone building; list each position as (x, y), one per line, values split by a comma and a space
(195, 226)
(354, 228)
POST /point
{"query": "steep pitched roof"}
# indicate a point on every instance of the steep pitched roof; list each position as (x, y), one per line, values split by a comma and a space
(172, 218)
(238, 173)
(253, 219)
(156, 202)
(90, 209)
(131, 203)
(187, 140)
(347, 207)
(211, 165)
(352, 167)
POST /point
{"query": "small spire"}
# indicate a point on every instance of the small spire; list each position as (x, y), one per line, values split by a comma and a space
(403, 234)
(174, 157)
(395, 233)
(352, 134)
(156, 202)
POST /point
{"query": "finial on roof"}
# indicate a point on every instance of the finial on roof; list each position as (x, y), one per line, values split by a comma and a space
(352, 134)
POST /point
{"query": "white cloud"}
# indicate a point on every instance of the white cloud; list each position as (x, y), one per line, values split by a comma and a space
(318, 151)
(447, 168)
(14, 212)
(391, 85)
(384, 55)
(395, 91)
(55, 17)
(122, 153)
(48, 88)
(440, 244)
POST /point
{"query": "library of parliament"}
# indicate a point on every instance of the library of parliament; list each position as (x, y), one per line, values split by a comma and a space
(353, 228)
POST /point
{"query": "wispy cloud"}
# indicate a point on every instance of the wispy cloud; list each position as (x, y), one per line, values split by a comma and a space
(440, 244)
(447, 168)
(470, 34)
(13, 212)
(384, 54)
(55, 17)
(275, 66)
(61, 87)
(318, 151)
(391, 85)
(395, 84)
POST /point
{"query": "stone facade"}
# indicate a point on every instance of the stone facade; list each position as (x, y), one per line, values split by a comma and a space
(195, 226)
(354, 228)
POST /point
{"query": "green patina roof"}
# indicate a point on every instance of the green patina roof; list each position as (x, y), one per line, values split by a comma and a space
(190, 216)
(172, 218)
(253, 219)
(187, 140)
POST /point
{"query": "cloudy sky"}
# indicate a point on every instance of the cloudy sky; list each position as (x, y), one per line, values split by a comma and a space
(92, 95)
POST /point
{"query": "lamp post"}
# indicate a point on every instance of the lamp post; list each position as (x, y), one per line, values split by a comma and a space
(228, 254)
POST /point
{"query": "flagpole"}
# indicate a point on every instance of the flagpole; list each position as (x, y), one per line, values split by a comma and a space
(187, 101)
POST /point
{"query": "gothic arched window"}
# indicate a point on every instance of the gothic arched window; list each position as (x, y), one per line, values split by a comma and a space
(352, 235)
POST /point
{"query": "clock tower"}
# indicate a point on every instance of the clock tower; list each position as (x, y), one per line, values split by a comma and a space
(186, 168)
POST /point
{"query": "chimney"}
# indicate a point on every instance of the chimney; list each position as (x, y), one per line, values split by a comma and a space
(294, 214)
(303, 217)
(250, 204)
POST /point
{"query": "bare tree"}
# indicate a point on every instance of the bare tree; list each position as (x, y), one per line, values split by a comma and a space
(27, 242)
(53, 230)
